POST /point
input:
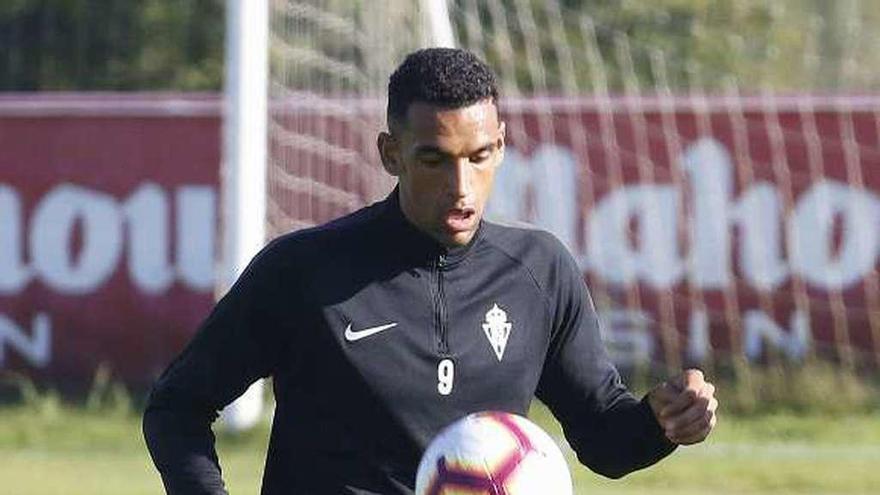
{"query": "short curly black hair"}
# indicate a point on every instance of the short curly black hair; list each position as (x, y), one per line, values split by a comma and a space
(446, 77)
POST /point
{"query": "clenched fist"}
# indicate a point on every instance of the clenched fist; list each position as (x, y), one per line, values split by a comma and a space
(685, 407)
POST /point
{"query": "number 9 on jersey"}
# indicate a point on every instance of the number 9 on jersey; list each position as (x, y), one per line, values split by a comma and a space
(445, 376)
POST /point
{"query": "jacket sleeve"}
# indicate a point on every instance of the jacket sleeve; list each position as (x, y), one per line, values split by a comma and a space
(612, 432)
(238, 343)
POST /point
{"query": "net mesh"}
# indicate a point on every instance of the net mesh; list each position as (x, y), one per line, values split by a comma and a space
(713, 166)
(329, 63)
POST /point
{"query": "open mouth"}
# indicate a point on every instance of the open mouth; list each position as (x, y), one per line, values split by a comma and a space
(459, 219)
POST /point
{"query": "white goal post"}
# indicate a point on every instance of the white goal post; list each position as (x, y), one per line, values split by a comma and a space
(243, 179)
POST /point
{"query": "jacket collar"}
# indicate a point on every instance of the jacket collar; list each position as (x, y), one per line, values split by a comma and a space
(422, 247)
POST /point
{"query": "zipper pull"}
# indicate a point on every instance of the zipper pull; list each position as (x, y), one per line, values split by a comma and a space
(441, 261)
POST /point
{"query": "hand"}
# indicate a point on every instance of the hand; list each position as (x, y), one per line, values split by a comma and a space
(685, 407)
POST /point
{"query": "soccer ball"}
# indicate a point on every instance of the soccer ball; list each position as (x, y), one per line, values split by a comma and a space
(493, 453)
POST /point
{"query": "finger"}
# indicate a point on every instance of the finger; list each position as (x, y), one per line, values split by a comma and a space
(691, 378)
(696, 431)
(694, 413)
(682, 401)
(693, 386)
(708, 390)
(691, 438)
(709, 393)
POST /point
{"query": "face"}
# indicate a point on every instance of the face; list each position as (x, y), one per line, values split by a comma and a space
(445, 160)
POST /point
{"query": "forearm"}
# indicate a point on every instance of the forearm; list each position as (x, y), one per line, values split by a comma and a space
(612, 432)
(181, 444)
(625, 438)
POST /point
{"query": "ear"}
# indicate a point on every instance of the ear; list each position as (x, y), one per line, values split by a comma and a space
(389, 151)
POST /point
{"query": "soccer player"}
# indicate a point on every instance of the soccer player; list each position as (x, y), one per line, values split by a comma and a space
(384, 326)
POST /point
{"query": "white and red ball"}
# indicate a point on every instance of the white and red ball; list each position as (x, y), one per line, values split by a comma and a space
(493, 453)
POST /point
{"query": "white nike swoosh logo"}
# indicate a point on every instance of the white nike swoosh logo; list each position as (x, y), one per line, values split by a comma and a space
(351, 335)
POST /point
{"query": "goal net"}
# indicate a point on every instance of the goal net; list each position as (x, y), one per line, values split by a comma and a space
(329, 65)
(713, 166)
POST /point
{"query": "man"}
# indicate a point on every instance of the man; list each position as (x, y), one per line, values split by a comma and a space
(384, 326)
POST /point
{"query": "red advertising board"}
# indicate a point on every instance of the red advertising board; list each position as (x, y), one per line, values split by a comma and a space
(107, 231)
(703, 225)
(711, 224)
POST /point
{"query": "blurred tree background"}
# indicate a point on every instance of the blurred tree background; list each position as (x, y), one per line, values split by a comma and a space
(58, 45)
(784, 45)
(679, 45)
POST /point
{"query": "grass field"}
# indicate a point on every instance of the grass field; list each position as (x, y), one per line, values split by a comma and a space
(55, 449)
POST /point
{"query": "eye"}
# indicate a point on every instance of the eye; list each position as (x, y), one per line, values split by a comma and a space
(480, 157)
(431, 161)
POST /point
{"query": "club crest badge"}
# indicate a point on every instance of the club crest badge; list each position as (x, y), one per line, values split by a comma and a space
(497, 330)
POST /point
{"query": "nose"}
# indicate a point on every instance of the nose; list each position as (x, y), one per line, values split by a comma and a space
(461, 179)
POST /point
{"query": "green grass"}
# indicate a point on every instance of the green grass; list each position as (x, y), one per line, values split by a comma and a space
(71, 450)
(781, 453)
(49, 448)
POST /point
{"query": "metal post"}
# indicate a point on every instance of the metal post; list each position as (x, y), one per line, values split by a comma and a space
(244, 161)
(441, 34)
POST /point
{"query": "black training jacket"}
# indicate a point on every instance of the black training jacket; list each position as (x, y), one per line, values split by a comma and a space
(376, 337)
